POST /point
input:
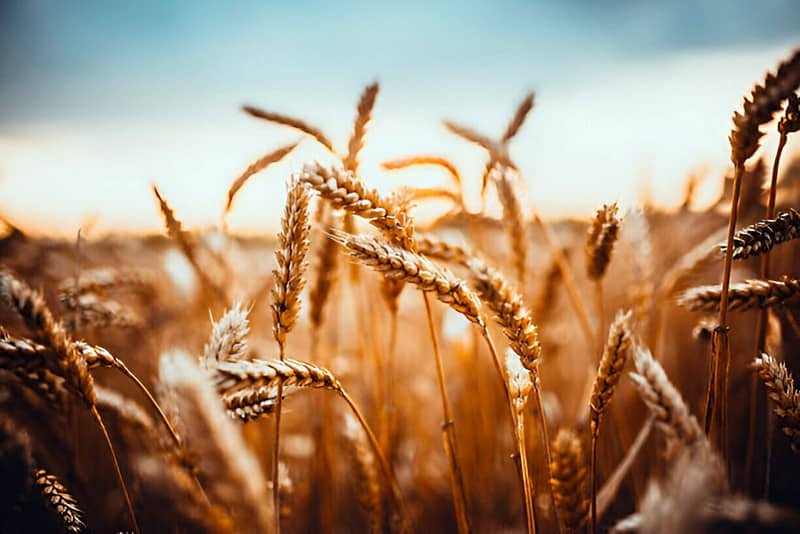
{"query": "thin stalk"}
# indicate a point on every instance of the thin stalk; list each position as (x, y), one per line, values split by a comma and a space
(388, 411)
(761, 336)
(276, 495)
(539, 406)
(546, 440)
(721, 347)
(448, 431)
(385, 467)
(595, 435)
(117, 469)
(530, 510)
(569, 281)
(598, 297)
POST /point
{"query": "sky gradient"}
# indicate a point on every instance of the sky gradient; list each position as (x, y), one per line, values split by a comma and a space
(100, 99)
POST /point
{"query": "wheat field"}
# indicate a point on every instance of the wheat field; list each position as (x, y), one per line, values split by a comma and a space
(365, 371)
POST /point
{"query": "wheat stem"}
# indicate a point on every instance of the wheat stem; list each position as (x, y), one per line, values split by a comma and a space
(117, 469)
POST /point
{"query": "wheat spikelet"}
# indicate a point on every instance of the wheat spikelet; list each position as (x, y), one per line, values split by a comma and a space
(510, 313)
(780, 385)
(345, 190)
(615, 355)
(327, 269)
(363, 116)
(291, 122)
(410, 267)
(228, 337)
(761, 237)
(291, 261)
(257, 166)
(742, 296)
(513, 218)
(367, 479)
(60, 501)
(68, 362)
(765, 100)
(600, 241)
(519, 117)
(664, 400)
(568, 479)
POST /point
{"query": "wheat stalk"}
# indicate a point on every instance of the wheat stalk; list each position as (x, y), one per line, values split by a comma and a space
(520, 385)
(60, 501)
(780, 386)
(742, 296)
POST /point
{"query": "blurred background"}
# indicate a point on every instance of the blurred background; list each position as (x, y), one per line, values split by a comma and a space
(99, 99)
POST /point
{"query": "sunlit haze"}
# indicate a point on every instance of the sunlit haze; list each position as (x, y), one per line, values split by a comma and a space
(100, 101)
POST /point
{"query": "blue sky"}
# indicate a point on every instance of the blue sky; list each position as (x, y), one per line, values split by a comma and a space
(102, 98)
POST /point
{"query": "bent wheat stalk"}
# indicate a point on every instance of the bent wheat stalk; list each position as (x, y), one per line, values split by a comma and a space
(256, 382)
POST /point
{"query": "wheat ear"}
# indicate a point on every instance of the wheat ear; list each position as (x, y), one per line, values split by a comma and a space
(520, 384)
(780, 387)
(759, 238)
(60, 501)
(514, 219)
(742, 296)
(257, 166)
(367, 481)
(363, 116)
(612, 363)
(568, 479)
(664, 401)
(297, 124)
